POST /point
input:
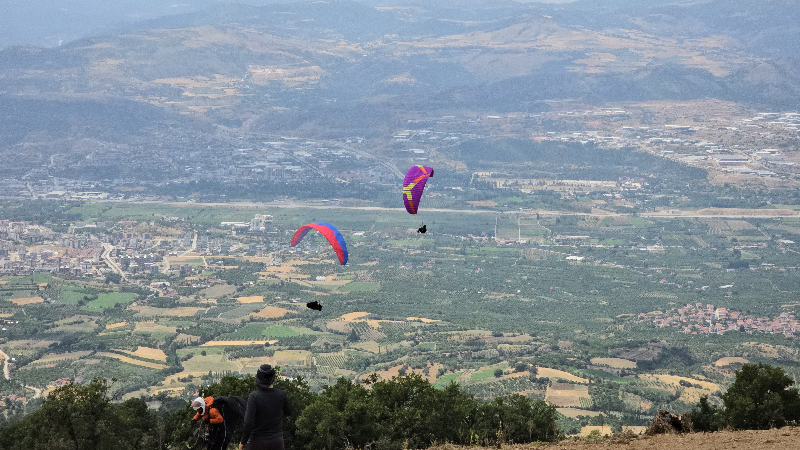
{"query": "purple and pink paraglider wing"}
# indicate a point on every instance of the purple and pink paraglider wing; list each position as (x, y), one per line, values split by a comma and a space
(413, 185)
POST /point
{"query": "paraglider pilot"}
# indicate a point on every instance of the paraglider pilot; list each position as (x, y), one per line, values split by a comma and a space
(423, 229)
(219, 433)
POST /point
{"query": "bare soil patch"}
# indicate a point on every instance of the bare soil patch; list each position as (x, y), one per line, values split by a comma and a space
(272, 312)
(26, 300)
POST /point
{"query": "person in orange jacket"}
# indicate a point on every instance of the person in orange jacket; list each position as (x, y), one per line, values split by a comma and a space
(218, 434)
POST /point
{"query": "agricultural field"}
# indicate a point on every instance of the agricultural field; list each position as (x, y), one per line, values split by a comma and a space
(456, 304)
(110, 300)
(272, 312)
(132, 361)
(617, 363)
(568, 395)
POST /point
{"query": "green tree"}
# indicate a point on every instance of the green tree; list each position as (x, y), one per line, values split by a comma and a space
(761, 398)
(517, 419)
(78, 417)
(704, 416)
(341, 414)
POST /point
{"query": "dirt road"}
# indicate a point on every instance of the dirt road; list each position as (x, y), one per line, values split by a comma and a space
(6, 359)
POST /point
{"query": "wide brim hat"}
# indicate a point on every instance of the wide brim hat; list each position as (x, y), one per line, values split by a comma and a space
(265, 376)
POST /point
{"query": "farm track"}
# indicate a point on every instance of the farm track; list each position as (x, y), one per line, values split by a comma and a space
(6, 370)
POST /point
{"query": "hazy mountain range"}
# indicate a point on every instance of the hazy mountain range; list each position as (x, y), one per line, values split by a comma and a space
(349, 64)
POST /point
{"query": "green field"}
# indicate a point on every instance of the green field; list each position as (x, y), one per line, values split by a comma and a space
(360, 287)
(444, 380)
(109, 300)
(279, 331)
(251, 331)
(487, 373)
(416, 243)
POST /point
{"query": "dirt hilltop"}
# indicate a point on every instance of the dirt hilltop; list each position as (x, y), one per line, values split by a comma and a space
(777, 439)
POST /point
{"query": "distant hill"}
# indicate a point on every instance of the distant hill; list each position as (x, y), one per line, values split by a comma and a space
(352, 65)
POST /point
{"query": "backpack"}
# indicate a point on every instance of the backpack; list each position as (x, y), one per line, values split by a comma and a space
(231, 408)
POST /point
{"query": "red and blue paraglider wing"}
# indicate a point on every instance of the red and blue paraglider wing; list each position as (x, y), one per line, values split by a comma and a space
(331, 234)
(413, 185)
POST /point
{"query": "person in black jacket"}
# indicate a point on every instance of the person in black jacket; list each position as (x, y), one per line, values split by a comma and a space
(266, 408)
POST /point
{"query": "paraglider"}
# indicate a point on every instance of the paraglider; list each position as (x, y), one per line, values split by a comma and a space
(314, 305)
(413, 185)
(331, 234)
(423, 229)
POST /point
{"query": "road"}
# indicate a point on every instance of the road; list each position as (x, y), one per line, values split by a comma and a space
(106, 256)
(681, 214)
(6, 359)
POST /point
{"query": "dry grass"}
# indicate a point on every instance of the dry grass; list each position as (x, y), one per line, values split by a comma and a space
(774, 439)
(675, 380)
(566, 395)
(766, 350)
(604, 430)
(352, 315)
(272, 312)
(338, 325)
(149, 353)
(617, 363)
(111, 326)
(251, 299)
(730, 360)
(575, 412)
(555, 373)
(132, 361)
(291, 357)
(152, 327)
(200, 365)
(26, 300)
(422, 319)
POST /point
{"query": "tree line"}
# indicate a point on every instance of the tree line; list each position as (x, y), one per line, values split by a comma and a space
(405, 412)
